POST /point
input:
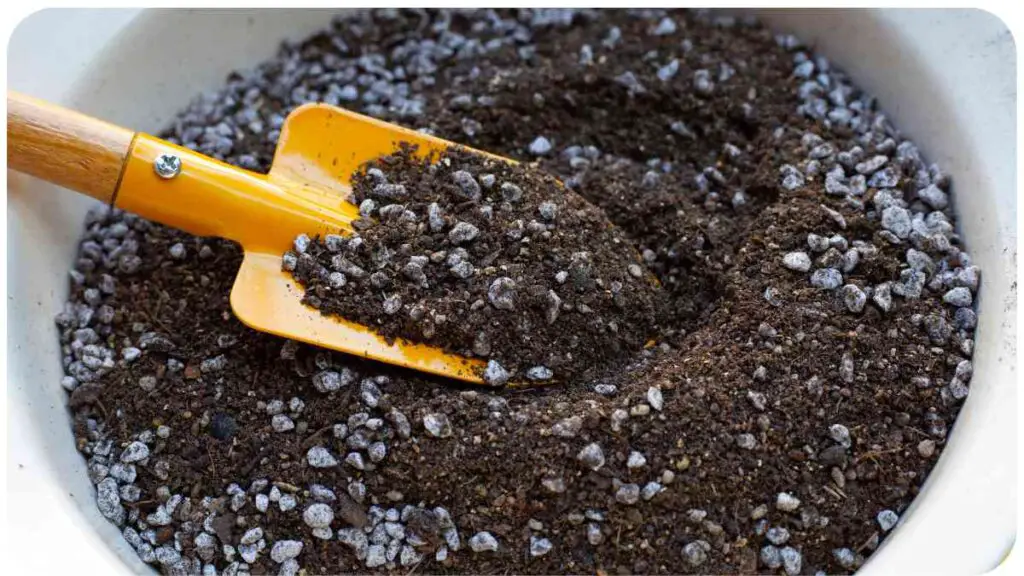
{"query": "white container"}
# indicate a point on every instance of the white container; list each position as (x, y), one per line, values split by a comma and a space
(947, 78)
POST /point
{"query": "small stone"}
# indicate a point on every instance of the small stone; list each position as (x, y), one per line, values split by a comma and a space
(797, 261)
(696, 552)
(327, 381)
(826, 278)
(285, 549)
(746, 441)
(548, 210)
(591, 456)
(926, 448)
(135, 452)
(495, 374)
(281, 423)
(652, 489)
(393, 192)
(702, 83)
(501, 293)
(777, 535)
(540, 146)
(960, 297)
(786, 502)
(462, 233)
(539, 373)
(771, 557)
(376, 555)
(934, 197)
(252, 536)
(539, 546)
(882, 297)
(655, 398)
(854, 298)
(377, 452)
(320, 457)
(846, 367)
(553, 485)
(887, 519)
(628, 494)
(636, 460)
(817, 243)
(568, 428)
(792, 560)
(511, 193)
(286, 502)
(757, 399)
(108, 500)
(318, 516)
(437, 425)
(355, 460)
(840, 434)
(844, 557)
(483, 542)
(897, 220)
(467, 185)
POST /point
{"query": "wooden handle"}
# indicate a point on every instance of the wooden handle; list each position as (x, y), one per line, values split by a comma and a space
(64, 147)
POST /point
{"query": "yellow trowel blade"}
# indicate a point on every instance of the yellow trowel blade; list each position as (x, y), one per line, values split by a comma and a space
(319, 149)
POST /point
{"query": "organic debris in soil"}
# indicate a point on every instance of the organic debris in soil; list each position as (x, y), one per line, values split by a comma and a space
(814, 358)
(485, 259)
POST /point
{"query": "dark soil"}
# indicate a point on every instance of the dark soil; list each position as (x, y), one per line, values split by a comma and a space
(539, 279)
(754, 366)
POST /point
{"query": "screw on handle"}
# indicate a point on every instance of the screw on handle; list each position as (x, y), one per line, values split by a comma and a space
(65, 147)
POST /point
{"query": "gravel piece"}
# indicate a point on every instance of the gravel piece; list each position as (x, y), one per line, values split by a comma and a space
(887, 519)
(467, 185)
(636, 460)
(591, 456)
(282, 423)
(540, 146)
(285, 549)
(539, 546)
(318, 515)
(786, 502)
(502, 293)
(483, 542)
(777, 535)
(826, 278)
(320, 457)
(960, 297)
(655, 398)
(792, 560)
(926, 448)
(495, 374)
(934, 197)
(797, 261)
(651, 489)
(854, 298)
(771, 557)
(327, 381)
(696, 552)
(437, 425)
(252, 536)
(568, 428)
(844, 557)
(135, 452)
(108, 500)
(897, 221)
(746, 441)
(628, 494)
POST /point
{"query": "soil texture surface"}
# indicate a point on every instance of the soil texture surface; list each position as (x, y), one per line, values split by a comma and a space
(812, 349)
